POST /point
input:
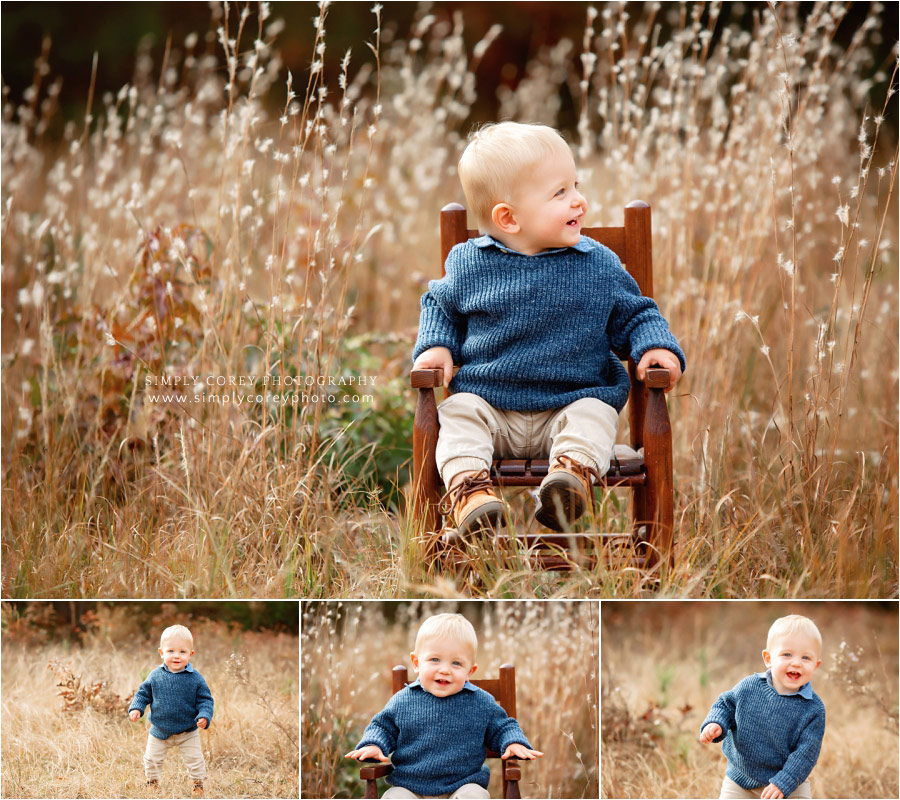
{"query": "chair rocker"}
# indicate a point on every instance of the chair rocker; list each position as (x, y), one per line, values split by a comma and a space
(503, 690)
(645, 467)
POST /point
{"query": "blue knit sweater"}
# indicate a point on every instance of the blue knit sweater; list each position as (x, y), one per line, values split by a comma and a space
(437, 743)
(769, 737)
(531, 333)
(177, 700)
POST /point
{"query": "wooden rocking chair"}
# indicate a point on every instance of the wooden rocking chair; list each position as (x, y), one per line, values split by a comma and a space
(645, 467)
(503, 690)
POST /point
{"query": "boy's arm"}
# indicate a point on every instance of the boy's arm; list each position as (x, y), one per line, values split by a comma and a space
(440, 322)
(142, 698)
(502, 730)
(205, 704)
(722, 713)
(636, 325)
(382, 731)
(804, 757)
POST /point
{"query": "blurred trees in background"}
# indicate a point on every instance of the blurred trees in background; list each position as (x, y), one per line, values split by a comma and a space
(70, 619)
(124, 33)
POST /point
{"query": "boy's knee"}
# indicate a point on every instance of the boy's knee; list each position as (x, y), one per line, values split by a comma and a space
(471, 790)
(399, 793)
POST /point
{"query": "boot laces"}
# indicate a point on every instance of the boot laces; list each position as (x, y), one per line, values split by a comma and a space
(587, 473)
(479, 482)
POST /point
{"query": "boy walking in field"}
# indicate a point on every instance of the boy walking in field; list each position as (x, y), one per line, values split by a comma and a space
(532, 312)
(180, 706)
(437, 727)
(772, 722)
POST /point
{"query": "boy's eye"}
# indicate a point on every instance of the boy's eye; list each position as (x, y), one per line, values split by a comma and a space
(560, 192)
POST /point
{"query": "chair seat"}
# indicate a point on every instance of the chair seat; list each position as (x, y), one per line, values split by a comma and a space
(626, 468)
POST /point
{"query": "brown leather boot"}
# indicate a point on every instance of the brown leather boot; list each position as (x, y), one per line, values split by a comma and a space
(565, 493)
(472, 504)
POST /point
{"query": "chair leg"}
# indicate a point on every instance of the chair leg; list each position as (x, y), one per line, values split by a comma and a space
(426, 480)
(371, 789)
(658, 494)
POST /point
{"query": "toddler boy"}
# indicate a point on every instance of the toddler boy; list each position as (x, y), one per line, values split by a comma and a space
(532, 312)
(437, 727)
(181, 705)
(772, 722)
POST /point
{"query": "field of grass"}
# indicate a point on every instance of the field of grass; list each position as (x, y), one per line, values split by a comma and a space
(186, 230)
(65, 728)
(664, 664)
(350, 648)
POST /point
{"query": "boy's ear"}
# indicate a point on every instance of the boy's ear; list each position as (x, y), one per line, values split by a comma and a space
(415, 661)
(767, 658)
(472, 671)
(503, 218)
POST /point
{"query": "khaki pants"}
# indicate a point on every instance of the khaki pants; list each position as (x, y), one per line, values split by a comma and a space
(469, 790)
(473, 433)
(191, 753)
(730, 790)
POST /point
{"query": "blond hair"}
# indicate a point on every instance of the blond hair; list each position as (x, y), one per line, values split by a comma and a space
(454, 626)
(793, 623)
(176, 632)
(495, 157)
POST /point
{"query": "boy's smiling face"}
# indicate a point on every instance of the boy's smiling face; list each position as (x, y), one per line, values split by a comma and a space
(444, 665)
(545, 211)
(176, 653)
(793, 658)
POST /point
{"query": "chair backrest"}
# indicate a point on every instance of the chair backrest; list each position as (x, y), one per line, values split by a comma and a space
(503, 689)
(630, 242)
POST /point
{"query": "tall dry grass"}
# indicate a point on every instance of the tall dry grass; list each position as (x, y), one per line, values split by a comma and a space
(184, 229)
(56, 746)
(664, 664)
(349, 649)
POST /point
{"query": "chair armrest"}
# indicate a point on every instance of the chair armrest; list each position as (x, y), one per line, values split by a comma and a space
(658, 378)
(370, 771)
(511, 769)
(426, 378)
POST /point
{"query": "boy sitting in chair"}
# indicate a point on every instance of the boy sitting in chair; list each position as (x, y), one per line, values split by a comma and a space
(532, 312)
(437, 727)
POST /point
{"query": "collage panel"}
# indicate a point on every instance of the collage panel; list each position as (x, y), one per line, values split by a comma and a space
(150, 699)
(750, 699)
(233, 299)
(357, 657)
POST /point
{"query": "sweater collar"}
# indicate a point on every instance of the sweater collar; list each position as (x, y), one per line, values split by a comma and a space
(805, 691)
(584, 245)
(417, 684)
(188, 668)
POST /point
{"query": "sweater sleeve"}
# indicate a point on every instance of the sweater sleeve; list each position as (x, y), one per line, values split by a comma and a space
(722, 712)
(803, 758)
(635, 324)
(502, 730)
(440, 322)
(142, 698)
(205, 702)
(382, 730)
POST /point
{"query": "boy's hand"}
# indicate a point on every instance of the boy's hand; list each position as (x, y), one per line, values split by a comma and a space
(202, 723)
(520, 751)
(660, 358)
(771, 792)
(134, 715)
(710, 732)
(436, 358)
(369, 751)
